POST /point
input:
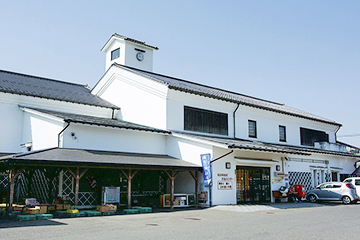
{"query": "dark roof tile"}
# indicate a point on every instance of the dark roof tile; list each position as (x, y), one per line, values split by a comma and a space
(21, 84)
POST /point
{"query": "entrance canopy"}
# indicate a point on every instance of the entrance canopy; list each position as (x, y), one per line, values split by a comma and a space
(95, 158)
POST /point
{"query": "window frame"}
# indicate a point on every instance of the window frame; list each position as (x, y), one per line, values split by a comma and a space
(255, 128)
(282, 138)
(113, 53)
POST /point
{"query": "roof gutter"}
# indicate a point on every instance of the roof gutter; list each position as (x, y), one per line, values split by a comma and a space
(68, 124)
(237, 107)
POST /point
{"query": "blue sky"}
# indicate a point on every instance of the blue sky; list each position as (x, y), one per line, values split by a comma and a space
(305, 54)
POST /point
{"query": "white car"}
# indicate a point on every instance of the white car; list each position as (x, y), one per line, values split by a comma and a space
(356, 182)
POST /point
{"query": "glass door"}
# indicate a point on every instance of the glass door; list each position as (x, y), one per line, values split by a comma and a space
(252, 184)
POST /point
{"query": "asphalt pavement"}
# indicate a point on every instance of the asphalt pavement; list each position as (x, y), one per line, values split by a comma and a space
(248, 221)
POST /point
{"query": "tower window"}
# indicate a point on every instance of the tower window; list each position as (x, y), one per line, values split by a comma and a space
(252, 129)
(282, 133)
(115, 53)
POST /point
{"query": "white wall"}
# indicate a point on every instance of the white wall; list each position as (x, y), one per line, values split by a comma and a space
(41, 130)
(11, 124)
(177, 100)
(131, 60)
(267, 122)
(113, 139)
(142, 101)
(16, 130)
(268, 126)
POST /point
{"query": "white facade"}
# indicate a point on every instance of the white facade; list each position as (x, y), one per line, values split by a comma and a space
(149, 102)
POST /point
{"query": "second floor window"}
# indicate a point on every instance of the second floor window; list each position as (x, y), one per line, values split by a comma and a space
(308, 137)
(282, 133)
(115, 54)
(206, 121)
(252, 129)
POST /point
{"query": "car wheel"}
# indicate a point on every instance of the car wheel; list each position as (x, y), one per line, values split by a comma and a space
(312, 199)
(346, 200)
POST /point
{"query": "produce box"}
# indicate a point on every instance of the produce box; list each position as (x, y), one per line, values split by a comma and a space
(92, 213)
(66, 206)
(33, 211)
(43, 209)
(49, 207)
(103, 208)
(72, 211)
(59, 207)
(113, 208)
(43, 216)
(22, 218)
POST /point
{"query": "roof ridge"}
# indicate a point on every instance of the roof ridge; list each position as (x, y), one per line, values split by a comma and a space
(43, 78)
(203, 85)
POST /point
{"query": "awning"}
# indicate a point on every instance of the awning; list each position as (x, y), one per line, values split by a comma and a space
(95, 158)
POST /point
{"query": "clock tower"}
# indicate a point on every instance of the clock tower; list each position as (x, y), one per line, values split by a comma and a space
(129, 52)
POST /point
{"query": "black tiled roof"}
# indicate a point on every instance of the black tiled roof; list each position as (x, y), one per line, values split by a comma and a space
(66, 156)
(17, 83)
(211, 92)
(263, 146)
(106, 122)
(243, 144)
(132, 40)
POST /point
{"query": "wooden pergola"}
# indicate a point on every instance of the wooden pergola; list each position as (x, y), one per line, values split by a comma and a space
(77, 162)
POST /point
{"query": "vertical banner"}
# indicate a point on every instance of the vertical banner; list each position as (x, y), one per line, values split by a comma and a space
(205, 161)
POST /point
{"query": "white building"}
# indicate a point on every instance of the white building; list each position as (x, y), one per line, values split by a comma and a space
(165, 123)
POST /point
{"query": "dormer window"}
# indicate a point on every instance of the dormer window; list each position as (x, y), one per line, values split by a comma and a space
(115, 54)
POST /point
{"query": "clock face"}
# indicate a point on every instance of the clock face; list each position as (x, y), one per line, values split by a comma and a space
(140, 56)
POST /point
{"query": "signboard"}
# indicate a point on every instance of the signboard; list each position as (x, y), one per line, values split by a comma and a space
(224, 185)
(110, 195)
(205, 161)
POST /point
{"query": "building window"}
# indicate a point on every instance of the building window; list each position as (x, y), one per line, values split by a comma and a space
(201, 120)
(252, 128)
(308, 137)
(115, 53)
(282, 133)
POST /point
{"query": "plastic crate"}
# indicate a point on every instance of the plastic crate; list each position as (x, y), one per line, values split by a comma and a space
(61, 213)
(92, 213)
(130, 211)
(23, 218)
(107, 213)
(44, 216)
(145, 210)
(79, 214)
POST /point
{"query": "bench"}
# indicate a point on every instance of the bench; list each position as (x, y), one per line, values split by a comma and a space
(278, 196)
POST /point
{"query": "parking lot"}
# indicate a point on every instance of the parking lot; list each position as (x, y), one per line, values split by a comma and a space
(269, 221)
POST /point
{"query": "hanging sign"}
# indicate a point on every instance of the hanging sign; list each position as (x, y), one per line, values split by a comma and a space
(205, 161)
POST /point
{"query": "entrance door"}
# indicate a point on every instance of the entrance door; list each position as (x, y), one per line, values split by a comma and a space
(253, 184)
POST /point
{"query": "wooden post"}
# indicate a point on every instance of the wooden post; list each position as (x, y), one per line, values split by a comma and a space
(12, 177)
(195, 176)
(129, 177)
(172, 191)
(77, 177)
(12, 182)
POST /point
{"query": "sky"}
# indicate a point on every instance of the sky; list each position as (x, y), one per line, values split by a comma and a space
(305, 54)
